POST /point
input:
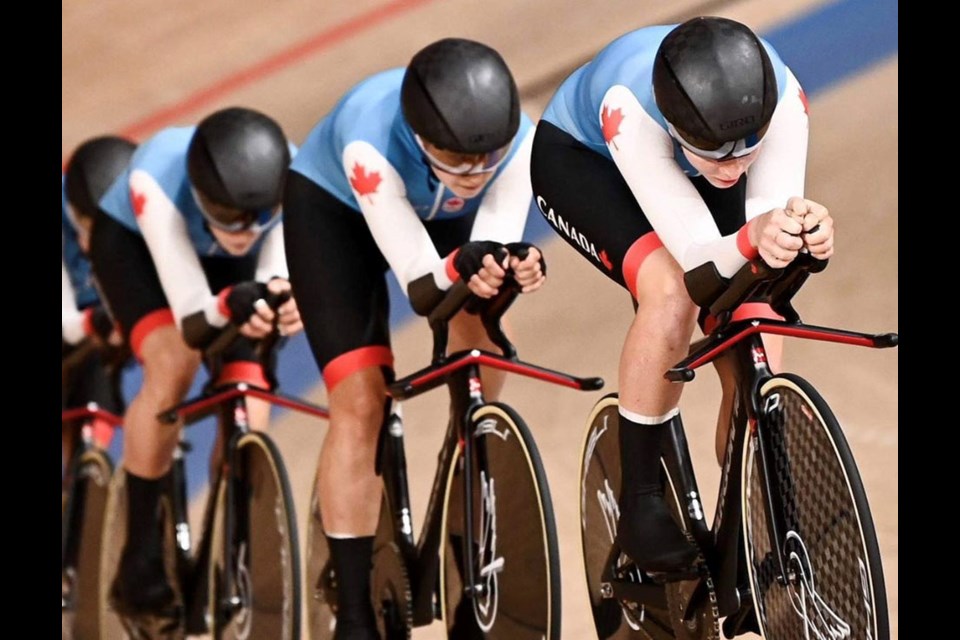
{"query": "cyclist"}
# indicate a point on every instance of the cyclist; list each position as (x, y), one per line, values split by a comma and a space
(94, 164)
(190, 239)
(424, 171)
(674, 147)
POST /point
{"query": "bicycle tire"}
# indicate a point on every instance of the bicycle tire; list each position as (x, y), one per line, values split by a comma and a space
(522, 599)
(389, 582)
(599, 511)
(91, 480)
(111, 545)
(835, 585)
(265, 558)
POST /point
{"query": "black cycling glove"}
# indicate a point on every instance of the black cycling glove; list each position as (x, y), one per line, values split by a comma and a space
(101, 322)
(522, 249)
(241, 298)
(469, 259)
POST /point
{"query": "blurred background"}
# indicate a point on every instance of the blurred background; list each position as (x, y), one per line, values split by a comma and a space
(133, 67)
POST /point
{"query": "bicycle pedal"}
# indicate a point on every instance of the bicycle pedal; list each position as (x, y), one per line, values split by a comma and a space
(741, 622)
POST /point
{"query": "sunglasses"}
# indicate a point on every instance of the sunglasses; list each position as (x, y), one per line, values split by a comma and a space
(487, 162)
(723, 151)
(232, 220)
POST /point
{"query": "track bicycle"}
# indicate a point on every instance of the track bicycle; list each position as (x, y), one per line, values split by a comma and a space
(486, 561)
(84, 498)
(792, 551)
(243, 578)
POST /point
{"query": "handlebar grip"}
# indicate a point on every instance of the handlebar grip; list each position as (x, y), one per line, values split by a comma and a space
(452, 302)
(232, 331)
(742, 284)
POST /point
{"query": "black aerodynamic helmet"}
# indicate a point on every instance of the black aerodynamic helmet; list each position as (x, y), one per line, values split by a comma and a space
(92, 168)
(238, 158)
(714, 82)
(460, 96)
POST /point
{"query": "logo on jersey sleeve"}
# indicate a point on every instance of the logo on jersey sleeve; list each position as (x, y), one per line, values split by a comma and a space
(452, 205)
(365, 184)
(610, 120)
(139, 201)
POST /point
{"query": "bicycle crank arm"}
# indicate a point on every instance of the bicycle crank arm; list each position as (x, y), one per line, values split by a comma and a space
(639, 593)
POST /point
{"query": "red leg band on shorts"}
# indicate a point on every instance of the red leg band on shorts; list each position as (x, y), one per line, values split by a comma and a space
(636, 254)
(147, 325)
(353, 361)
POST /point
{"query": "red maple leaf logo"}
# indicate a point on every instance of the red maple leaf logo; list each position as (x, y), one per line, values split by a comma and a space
(610, 120)
(139, 200)
(365, 184)
(605, 260)
(806, 103)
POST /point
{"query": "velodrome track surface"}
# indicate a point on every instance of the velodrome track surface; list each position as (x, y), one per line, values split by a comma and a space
(133, 66)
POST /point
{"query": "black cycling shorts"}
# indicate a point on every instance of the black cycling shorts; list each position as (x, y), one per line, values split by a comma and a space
(584, 197)
(129, 282)
(338, 276)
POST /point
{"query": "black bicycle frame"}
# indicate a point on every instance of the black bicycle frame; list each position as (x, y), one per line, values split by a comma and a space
(423, 558)
(722, 543)
(74, 511)
(231, 398)
(460, 371)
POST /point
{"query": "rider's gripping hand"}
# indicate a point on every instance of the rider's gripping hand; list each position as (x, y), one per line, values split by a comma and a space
(102, 328)
(776, 235)
(250, 311)
(288, 314)
(483, 266)
(528, 266)
(243, 302)
(817, 226)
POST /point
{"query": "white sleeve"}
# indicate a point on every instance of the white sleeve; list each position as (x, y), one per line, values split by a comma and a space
(394, 225)
(643, 152)
(778, 172)
(165, 232)
(503, 212)
(71, 317)
(272, 261)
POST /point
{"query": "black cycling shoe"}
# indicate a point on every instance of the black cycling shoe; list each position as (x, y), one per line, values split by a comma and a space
(465, 625)
(741, 622)
(142, 594)
(649, 535)
(348, 629)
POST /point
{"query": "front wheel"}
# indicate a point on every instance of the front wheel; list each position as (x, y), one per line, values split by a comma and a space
(515, 558)
(832, 585)
(254, 558)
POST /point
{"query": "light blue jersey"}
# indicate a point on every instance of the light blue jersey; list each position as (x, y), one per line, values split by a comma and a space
(371, 113)
(164, 158)
(577, 105)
